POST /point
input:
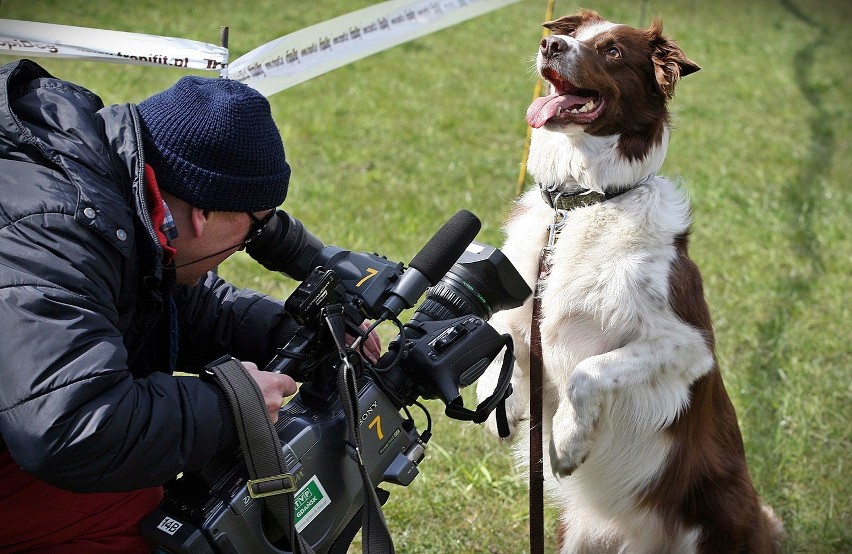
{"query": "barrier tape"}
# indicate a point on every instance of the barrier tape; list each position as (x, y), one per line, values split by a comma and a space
(270, 68)
(64, 41)
(320, 48)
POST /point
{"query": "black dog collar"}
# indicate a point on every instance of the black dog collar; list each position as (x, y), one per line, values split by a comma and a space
(560, 200)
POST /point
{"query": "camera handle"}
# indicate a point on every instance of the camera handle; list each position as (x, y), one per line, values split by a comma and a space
(375, 537)
(502, 391)
(268, 473)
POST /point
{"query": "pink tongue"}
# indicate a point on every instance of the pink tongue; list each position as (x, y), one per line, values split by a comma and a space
(546, 107)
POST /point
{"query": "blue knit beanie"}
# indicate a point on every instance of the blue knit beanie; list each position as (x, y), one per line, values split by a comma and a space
(213, 143)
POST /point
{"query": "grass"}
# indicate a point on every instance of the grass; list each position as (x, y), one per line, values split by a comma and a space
(386, 149)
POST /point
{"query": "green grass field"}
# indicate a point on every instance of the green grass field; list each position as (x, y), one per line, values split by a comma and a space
(386, 149)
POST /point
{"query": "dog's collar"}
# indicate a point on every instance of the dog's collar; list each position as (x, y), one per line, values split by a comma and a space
(561, 200)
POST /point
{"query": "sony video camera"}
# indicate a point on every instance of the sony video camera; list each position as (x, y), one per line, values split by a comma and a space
(445, 346)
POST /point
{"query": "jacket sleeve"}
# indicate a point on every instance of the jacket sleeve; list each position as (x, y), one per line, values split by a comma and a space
(217, 318)
(71, 412)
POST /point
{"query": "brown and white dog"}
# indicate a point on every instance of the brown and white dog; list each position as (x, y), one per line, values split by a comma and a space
(645, 447)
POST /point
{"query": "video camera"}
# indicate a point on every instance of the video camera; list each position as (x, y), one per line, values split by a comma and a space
(445, 346)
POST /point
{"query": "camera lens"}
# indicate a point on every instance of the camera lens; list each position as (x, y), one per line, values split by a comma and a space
(453, 296)
(481, 282)
(286, 246)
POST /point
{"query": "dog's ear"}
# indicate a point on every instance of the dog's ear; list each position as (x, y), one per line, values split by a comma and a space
(670, 63)
(566, 25)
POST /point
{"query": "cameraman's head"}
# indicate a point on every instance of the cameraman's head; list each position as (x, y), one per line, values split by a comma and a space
(220, 166)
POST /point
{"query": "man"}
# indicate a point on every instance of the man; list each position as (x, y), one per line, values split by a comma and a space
(111, 220)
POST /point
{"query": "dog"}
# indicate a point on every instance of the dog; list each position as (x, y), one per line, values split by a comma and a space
(644, 445)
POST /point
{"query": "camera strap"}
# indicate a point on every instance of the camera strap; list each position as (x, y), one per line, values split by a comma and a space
(269, 477)
(375, 536)
(497, 400)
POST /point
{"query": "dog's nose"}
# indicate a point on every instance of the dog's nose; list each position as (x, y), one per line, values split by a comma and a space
(551, 46)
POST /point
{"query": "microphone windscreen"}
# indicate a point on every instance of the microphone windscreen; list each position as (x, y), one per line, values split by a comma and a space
(439, 254)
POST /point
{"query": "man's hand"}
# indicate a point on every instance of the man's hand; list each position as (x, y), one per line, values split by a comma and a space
(371, 344)
(274, 387)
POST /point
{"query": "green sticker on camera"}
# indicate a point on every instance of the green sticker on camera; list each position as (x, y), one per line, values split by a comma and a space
(309, 501)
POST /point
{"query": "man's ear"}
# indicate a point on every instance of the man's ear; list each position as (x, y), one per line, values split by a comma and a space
(198, 220)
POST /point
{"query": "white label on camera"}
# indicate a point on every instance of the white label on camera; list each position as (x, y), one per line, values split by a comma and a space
(169, 525)
(309, 501)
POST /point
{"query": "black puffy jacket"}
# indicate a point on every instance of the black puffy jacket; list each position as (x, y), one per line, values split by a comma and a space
(87, 328)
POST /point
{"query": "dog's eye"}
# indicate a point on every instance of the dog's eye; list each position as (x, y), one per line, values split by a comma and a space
(613, 52)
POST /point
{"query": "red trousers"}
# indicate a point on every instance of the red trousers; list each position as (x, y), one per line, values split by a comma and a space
(38, 518)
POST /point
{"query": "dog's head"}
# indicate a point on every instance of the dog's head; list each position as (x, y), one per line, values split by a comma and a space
(609, 79)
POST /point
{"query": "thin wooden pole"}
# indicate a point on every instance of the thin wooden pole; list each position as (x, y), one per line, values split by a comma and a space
(548, 16)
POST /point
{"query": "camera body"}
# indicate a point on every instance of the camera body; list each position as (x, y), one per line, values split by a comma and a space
(445, 346)
(219, 516)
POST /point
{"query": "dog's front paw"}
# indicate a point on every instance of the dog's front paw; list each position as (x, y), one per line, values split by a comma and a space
(571, 438)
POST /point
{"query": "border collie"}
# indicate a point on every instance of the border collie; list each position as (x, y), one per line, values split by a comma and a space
(644, 446)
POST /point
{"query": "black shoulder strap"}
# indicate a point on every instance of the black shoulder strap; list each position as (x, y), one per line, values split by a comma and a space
(261, 447)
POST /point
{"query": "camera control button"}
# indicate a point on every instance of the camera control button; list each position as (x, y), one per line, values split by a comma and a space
(449, 338)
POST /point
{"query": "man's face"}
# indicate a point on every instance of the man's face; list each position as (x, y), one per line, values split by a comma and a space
(210, 239)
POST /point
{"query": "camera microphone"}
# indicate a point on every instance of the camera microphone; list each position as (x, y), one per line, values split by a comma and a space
(433, 261)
